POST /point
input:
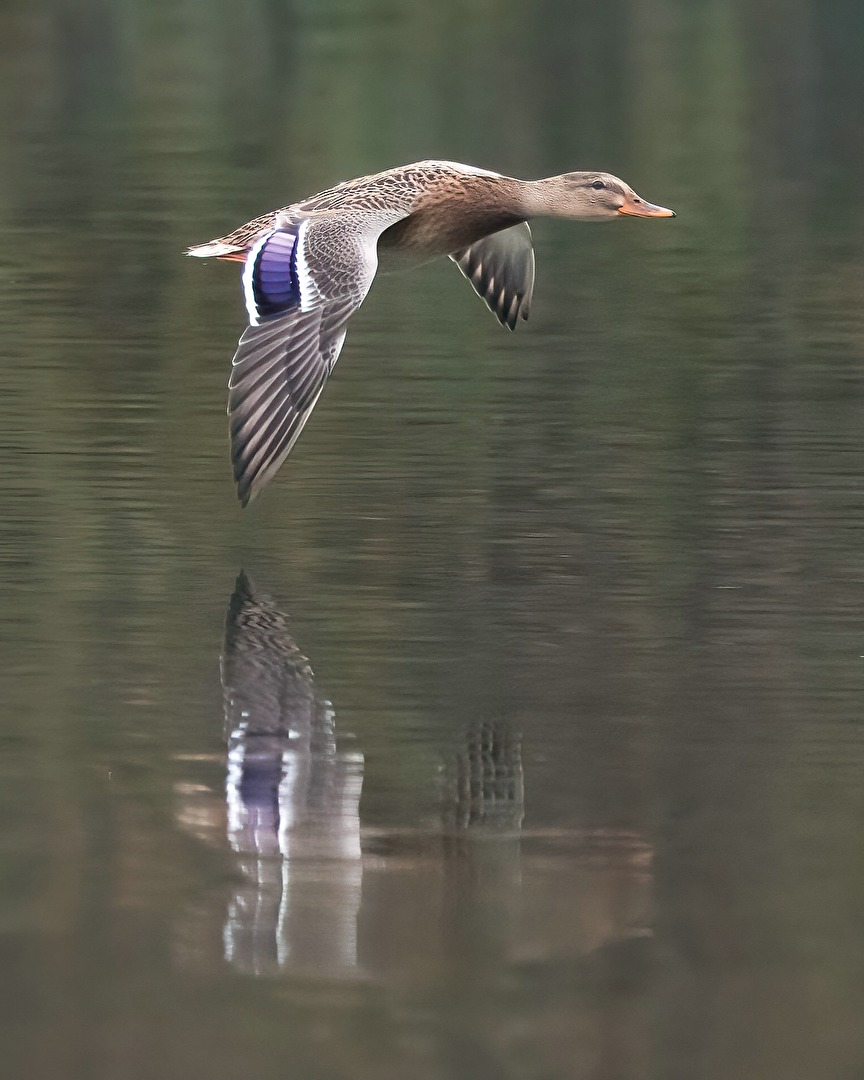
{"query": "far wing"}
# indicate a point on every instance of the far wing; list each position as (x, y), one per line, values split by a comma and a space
(501, 269)
(302, 282)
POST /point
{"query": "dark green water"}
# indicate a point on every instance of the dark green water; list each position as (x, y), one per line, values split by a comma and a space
(576, 789)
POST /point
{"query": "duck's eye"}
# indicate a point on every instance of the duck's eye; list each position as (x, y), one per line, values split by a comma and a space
(597, 185)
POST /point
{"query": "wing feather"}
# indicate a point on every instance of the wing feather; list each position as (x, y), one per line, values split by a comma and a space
(283, 360)
(500, 268)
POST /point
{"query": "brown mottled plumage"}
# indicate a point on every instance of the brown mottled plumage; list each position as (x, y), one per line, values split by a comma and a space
(308, 267)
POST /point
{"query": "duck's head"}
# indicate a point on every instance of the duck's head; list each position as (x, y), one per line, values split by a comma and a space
(599, 196)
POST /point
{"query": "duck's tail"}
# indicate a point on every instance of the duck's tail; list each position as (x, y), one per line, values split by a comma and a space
(218, 249)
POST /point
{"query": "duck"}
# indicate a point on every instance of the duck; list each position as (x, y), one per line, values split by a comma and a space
(308, 267)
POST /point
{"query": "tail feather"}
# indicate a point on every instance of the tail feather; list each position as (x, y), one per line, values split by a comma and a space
(217, 249)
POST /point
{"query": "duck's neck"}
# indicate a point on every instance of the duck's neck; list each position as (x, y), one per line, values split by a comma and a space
(510, 198)
(540, 198)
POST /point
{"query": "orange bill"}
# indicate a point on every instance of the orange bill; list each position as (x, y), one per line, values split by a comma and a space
(636, 207)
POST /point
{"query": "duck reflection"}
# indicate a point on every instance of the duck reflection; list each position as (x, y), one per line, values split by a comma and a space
(292, 802)
(456, 891)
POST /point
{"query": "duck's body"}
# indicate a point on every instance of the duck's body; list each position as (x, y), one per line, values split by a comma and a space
(440, 207)
(308, 267)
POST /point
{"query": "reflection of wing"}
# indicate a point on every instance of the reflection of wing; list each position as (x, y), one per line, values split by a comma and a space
(268, 684)
(486, 789)
(501, 269)
(292, 801)
(302, 281)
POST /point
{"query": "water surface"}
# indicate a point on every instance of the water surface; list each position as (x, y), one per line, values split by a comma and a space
(570, 785)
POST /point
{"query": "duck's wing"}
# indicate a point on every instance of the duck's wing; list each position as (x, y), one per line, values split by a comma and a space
(302, 280)
(501, 269)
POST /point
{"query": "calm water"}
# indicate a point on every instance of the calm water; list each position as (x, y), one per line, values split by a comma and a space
(576, 787)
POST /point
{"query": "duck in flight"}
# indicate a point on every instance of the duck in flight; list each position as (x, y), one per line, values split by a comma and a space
(308, 267)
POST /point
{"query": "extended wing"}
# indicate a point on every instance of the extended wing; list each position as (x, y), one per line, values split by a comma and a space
(302, 281)
(501, 269)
